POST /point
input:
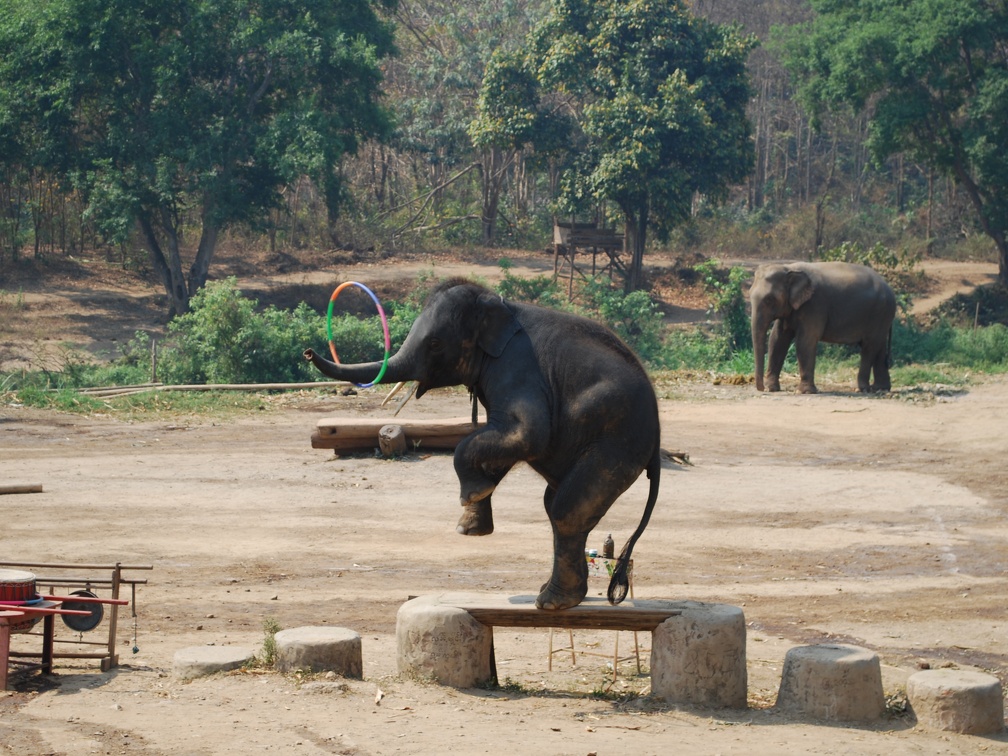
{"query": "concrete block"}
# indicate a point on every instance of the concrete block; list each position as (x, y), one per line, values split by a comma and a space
(699, 657)
(957, 700)
(836, 683)
(320, 649)
(442, 643)
(199, 661)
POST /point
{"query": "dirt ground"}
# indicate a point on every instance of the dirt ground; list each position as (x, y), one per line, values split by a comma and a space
(878, 521)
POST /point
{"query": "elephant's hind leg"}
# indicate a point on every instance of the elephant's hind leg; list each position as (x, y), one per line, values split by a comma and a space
(880, 370)
(575, 508)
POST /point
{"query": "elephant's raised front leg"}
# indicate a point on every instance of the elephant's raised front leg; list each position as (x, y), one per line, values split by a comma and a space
(482, 459)
(476, 519)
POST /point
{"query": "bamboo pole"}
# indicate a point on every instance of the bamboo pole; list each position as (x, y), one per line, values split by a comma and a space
(20, 488)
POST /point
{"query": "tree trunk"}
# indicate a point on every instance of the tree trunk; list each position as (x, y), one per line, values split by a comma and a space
(168, 266)
(995, 232)
(204, 255)
(635, 239)
(493, 176)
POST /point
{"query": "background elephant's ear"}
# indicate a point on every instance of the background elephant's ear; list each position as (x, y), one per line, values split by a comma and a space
(800, 288)
(496, 324)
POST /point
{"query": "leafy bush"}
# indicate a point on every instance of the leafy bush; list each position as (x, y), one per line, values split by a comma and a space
(542, 290)
(634, 317)
(222, 339)
(983, 349)
(728, 302)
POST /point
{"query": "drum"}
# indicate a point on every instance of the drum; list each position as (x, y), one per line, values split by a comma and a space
(16, 586)
(30, 619)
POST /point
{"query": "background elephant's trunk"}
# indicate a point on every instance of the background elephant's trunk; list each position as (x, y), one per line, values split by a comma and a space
(364, 372)
(760, 324)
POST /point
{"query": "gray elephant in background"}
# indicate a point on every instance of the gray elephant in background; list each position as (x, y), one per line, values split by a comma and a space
(836, 302)
(561, 392)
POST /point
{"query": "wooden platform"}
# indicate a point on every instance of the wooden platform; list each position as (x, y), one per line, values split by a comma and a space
(594, 613)
(361, 434)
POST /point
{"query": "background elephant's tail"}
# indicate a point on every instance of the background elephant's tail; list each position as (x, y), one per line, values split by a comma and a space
(619, 584)
(888, 348)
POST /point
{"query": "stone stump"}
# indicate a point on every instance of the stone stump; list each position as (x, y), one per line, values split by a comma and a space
(200, 661)
(836, 683)
(442, 643)
(320, 649)
(957, 700)
(699, 656)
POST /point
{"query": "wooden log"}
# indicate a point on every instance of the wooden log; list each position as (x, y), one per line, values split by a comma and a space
(347, 434)
(392, 440)
(20, 488)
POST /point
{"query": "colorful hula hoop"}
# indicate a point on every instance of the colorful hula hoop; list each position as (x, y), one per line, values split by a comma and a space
(384, 322)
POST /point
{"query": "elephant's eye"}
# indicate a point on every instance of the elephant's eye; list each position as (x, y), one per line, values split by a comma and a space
(436, 346)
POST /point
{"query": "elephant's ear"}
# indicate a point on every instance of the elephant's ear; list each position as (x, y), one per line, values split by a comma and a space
(496, 324)
(800, 288)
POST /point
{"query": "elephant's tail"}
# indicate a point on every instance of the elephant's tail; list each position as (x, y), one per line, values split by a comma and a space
(619, 584)
(888, 348)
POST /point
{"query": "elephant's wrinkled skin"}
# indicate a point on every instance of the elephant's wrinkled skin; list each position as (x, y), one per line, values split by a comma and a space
(836, 302)
(561, 393)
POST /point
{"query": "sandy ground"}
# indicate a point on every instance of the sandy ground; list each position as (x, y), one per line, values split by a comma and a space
(878, 521)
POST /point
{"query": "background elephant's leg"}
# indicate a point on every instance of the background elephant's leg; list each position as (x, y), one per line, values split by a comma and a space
(864, 369)
(780, 342)
(880, 369)
(578, 503)
(805, 350)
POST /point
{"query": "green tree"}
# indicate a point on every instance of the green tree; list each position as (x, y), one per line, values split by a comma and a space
(181, 114)
(932, 76)
(658, 97)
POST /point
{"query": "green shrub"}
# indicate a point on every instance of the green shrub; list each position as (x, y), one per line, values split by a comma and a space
(728, 302)
(222, 339)
(634, 317)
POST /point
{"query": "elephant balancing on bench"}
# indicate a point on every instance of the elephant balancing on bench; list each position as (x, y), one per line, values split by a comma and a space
(836, 302)
(561, 392)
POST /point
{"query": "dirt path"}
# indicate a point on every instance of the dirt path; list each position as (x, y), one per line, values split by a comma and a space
(879, 521)
(837, 517)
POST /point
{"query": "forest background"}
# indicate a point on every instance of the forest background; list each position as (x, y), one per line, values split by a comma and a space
(361, 127)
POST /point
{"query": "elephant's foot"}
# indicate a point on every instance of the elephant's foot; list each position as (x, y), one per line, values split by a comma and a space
(476, 519)
(807, 388)
(773, 385)
(553, 598)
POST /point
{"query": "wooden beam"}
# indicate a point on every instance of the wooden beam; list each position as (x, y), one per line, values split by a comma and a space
(347, 434)
(594, 613)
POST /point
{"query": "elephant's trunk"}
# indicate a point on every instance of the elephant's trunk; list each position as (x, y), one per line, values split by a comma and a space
(364, 372)
(760, 325)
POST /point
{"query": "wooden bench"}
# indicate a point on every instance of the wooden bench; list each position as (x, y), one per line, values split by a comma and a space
(697, 649)
(568, 238)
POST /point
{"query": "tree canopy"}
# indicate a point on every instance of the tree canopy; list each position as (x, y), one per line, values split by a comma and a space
(656, 101)
(932, 75)
(159, 110)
